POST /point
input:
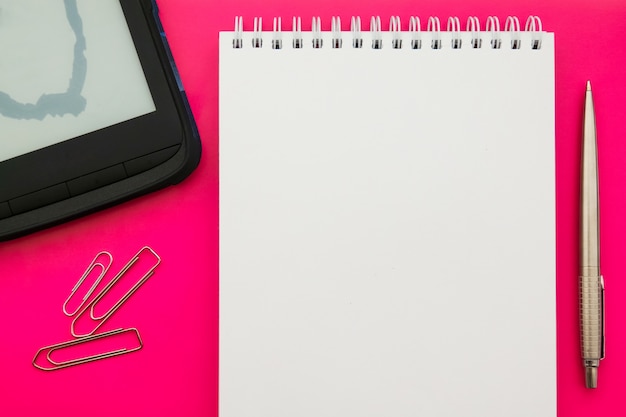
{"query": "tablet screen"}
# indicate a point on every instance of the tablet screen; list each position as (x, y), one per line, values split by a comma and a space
(67, 68)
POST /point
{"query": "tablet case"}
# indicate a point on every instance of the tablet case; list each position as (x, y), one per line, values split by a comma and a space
(113, 185)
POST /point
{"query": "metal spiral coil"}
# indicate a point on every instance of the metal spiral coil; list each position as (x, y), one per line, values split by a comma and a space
(411, 38)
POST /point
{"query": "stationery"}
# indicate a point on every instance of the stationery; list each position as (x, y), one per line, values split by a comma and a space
(591, 283)
(387, 227)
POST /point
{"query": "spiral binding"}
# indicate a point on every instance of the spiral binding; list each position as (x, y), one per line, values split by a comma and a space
(492, 27)
(375, 28)
(316, 29)
(336, 31)
(473, 26)
(395, 28)
(415, 28)
(277, 38)
(512, 25)
(257, 39)
(434, 26)
(455, 26)
(297, 33)
(355, 28)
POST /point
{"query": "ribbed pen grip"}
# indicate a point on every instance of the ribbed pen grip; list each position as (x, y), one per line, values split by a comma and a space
(591, 317)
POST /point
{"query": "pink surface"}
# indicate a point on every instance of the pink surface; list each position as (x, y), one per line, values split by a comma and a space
(176, 311)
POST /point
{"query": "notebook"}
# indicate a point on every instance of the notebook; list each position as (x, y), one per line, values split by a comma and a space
(387, 219)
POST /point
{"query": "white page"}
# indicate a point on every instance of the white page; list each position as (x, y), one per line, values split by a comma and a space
(387, 231)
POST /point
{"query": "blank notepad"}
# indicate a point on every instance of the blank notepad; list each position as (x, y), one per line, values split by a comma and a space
(387, 226)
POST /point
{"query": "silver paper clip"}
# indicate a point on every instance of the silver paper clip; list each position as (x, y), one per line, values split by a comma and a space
(88, 272)
(104, 317)
(78, 361)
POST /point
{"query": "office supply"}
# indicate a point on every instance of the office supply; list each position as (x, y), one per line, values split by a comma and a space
(103, 260)
(102, 318)
(92, 111)
(56, 365)
(96, 263)
(591, 282)
(387, 220)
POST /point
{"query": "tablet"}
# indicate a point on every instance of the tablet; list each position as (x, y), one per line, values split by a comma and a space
(92, 111)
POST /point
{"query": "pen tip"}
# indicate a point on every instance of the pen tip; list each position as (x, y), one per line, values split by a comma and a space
(591, 377)
(588, 85)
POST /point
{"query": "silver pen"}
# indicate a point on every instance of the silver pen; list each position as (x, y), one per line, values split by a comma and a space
(591, 284)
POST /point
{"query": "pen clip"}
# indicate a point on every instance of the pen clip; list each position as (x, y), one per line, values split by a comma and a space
(603, 315)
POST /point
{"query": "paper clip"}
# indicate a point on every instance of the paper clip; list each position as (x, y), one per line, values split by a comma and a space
(103, 318)
(90, 268)
(66, 364)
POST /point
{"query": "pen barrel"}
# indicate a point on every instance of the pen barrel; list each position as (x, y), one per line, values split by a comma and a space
(591, 317)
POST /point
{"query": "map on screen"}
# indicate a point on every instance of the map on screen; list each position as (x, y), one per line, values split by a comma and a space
(68, 68)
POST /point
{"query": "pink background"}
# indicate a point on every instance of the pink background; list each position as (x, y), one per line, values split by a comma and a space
(177, 311)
